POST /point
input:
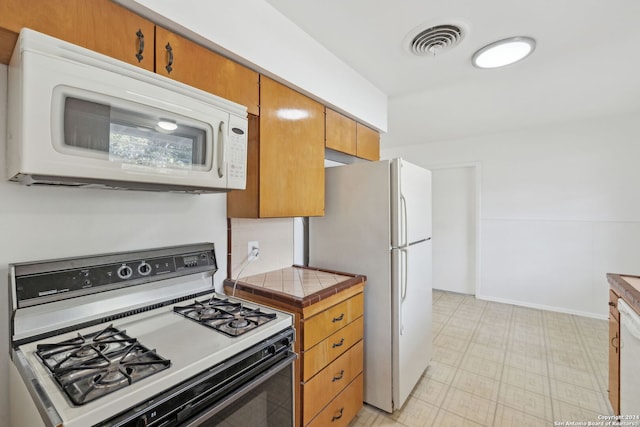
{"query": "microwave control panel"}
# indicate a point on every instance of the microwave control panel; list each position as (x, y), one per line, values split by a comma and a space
(237, 154)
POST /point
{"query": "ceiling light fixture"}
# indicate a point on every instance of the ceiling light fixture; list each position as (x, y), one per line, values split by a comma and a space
(503, 52)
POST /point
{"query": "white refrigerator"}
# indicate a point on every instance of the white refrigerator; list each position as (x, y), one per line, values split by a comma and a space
(378, 223)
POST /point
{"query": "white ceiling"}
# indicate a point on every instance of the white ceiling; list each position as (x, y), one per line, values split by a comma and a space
(586, 63)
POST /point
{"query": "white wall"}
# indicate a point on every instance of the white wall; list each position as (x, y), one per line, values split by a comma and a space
(275, 237)
(560, 207)
(43, 223)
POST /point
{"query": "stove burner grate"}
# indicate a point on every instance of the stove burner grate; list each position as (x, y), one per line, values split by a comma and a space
(90, 366)
(230, 318)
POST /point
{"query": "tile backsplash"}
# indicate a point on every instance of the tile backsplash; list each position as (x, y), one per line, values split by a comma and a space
(275, 238)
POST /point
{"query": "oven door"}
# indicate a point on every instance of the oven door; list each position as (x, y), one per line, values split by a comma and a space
(267, 401)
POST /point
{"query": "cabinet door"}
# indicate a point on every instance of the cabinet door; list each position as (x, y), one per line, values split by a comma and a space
(291, 152)
(340, 132)
(614, 356)
(99, 25)
(188, 62)
(368, 146)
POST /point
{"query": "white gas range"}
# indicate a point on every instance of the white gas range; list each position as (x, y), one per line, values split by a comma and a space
(140, 338)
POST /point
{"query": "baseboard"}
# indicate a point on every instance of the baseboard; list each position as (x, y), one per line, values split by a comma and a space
(542, 307)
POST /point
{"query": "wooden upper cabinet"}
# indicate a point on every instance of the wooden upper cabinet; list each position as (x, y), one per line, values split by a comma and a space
(99, 25)
(289, 160)
(368, 145)
(188, 62)
(350, 137)
(291, 152)
(340, 132)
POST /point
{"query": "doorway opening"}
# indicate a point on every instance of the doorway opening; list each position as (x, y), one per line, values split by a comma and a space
(456, 228)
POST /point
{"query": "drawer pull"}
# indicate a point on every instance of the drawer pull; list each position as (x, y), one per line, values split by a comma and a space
(339, 376)
(338, 344)
(339, 318)
(337, 417)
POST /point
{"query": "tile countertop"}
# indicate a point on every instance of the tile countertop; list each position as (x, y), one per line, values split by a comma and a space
(296, 285)
(628, 287)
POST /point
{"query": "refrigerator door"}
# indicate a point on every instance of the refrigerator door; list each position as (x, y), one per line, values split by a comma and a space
(354, 236)
(410, 203)
(412, 306)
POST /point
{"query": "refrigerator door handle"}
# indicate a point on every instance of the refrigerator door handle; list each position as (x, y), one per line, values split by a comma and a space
(403, 224)
(403, 287)
(403, 274)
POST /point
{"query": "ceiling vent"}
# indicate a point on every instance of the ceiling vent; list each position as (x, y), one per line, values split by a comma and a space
(435, 40)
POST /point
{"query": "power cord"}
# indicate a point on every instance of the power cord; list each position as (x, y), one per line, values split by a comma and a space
(251, 257)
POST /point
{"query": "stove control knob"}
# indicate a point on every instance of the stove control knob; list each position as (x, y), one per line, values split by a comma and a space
(124, 271)
(144, 269)
(142, 421)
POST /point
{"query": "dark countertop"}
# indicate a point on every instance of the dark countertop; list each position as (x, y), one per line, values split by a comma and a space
(296, 285)
(628, 287)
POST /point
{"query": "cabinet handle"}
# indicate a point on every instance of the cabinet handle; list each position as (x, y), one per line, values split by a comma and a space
(339, 376)
(140, 36)
(615, 345)
(612, 304)
(169, 49)
(337, 417)
(338, 344)
(339, 318)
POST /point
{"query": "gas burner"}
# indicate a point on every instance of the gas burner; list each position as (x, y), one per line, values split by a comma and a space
(90, 366)
(239, 323)
(230, 318)
(69, 352)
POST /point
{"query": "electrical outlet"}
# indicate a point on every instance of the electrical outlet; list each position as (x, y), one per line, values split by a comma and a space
(253, 249)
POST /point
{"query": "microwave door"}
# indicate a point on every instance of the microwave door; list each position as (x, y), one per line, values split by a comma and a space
(144, 142)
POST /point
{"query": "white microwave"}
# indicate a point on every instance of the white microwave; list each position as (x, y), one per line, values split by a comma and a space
(80, 118)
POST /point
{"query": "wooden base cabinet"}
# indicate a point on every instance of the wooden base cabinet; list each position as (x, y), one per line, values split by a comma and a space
(329, 341)
(614, 352)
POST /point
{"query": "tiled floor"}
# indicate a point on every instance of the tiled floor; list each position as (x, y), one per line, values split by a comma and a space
(502, 365)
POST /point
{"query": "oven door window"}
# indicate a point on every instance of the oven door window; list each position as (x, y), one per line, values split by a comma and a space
(134, 135)
(269, 404)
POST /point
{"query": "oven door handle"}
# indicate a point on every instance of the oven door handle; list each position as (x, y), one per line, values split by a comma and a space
(246, 388)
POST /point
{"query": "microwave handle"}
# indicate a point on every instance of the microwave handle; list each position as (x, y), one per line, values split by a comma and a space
(222, 143)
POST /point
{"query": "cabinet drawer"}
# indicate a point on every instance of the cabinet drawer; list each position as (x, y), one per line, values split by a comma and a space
(332, 319)
(319, 356)
(343, 408)
(613, 305)
(322, 388)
